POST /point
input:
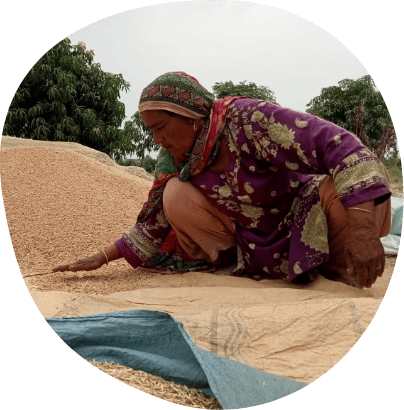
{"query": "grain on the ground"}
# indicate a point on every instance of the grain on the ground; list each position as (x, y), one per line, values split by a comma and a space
(159, 387)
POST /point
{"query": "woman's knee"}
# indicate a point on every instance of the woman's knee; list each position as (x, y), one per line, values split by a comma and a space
(169, 195)
(175, 197)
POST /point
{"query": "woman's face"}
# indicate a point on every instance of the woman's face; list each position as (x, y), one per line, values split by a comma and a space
(174, 133)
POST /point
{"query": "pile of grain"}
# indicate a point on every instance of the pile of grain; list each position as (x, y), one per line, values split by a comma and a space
(159, 387)
(63, 205)
(96, 282)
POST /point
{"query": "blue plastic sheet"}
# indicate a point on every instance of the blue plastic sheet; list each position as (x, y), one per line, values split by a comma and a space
(158, 344)
(391, 242)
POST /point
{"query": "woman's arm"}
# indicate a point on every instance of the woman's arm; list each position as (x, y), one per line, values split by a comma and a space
(93, 262)
(309, 145)
(363, 248)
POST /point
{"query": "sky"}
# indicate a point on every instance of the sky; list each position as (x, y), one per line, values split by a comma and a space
(220, 41)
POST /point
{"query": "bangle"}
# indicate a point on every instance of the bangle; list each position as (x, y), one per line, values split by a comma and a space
(106, 257)
(364, 210)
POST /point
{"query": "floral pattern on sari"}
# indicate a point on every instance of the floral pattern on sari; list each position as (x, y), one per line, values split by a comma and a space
(270, 187)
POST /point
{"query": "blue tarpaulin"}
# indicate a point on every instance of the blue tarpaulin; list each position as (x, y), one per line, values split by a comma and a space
(391, 242)
(158, 344)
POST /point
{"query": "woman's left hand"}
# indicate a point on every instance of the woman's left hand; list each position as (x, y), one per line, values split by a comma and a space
(363, 249)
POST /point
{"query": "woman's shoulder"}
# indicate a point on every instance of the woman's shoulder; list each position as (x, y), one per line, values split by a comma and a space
(246, 107)
(253, 102)
(257, 111)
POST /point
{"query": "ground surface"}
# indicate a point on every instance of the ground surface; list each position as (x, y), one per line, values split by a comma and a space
(64, 202)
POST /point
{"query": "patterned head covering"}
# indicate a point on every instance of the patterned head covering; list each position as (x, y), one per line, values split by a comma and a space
(179, 93)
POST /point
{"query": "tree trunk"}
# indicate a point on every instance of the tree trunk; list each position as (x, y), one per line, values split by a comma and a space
(387, 141)
(142, 158)
(358, 121)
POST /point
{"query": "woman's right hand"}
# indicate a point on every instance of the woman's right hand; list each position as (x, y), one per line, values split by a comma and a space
(91, 263)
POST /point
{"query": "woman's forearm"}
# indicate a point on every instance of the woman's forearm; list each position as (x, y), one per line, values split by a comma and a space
(364, 251)
(368, 206)
(112, 253)
(361, 214)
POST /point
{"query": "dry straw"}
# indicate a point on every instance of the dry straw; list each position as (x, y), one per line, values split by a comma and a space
(159, 387)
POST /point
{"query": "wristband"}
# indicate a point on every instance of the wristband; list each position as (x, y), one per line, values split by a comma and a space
(106, 257)
(364, 210)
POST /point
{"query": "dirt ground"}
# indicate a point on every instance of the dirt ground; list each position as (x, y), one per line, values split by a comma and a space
(64, 202)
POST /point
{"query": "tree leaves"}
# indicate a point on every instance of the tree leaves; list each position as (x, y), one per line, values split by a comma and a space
(65, 96)
(338, 104)
(138, 138)
(250, 90)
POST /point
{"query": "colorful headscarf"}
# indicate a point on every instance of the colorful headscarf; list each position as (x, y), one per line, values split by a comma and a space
(179, 93)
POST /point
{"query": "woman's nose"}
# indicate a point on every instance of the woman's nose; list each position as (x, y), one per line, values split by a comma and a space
(157, 138)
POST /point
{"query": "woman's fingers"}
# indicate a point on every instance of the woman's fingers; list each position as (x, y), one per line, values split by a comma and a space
(376, 267)
(362, 275)
(350, 265)
(83, 264)
(74, 267)
(61, 268)
(380, 267)
(381, 262)
(371, 275)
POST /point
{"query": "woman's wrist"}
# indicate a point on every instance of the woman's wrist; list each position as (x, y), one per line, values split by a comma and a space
(110, 254)
(362, 216)
(106, 257)
(368, 206)
(100, 257)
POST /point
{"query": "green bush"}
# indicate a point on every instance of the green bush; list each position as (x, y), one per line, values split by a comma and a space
(149, 163)
(129, 162)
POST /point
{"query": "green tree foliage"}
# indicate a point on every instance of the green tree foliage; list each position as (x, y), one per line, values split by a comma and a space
(149, 163)
(250, 90)
(140, 137)
(338, 104)
(67, 97)
(393, 159)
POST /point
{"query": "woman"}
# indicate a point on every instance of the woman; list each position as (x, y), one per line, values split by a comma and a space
(286, 194)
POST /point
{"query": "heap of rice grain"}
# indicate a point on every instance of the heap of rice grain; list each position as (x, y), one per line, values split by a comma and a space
(64, 202)
(175, 393)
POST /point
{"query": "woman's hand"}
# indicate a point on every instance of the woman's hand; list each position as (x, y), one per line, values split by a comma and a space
(91, 263)
(363, 249)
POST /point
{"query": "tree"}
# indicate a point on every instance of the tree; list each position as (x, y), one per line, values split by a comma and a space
(357, 106)
(250, 90)
(67, 97)
(149, 163)
(141, 138)
(393, 160)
